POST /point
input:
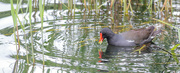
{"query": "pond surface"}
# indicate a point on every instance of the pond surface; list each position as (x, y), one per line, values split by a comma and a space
(70, 40)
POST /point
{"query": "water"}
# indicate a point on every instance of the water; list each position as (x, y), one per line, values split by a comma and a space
(71, 41)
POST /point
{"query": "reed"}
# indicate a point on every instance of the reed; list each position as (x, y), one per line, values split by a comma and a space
(95, 4)
(175, 46)
(64, 4)
(89, 5)
(150, 6)
(112, 3)
(15, 22)
(15, 18)
(125, 7)
(179, 34)
(30, 14)
(85, 6)
(14, 13)
(22, 27)
(102, 4)
(174, 54)
(126, 4)
(130, 7)
(41, 9)
(70, 6)
(74, 9)
(140, 49)
(164, 5)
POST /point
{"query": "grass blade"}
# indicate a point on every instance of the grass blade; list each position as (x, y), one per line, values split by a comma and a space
(102, 4)
(165, 23)
(30, 13)
(179, 34)
(130, 7)
(14, 21)
(175, 47)
(41, 9)
(174, 56)
(112, 3)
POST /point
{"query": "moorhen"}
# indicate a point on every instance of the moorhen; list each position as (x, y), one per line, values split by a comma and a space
(135, 37)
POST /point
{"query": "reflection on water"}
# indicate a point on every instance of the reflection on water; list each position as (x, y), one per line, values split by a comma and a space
(126, 60)
(70, 42)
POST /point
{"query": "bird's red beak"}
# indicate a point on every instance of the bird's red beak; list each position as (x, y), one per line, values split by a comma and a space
(101, 38)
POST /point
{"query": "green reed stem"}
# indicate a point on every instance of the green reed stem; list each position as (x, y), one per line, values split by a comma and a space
(74, 9)
(171, 7)
(130, 7)
(18, 39)
(150, 7)
(96, 8)
(41, 9)
(102, 4)
(175, 47)
(22, 27)
(26, 48)
(179, 34)
(70, 4)
(125, 10)
(165, 23)
(30, 13)
(14, 21)
(89, 5)
(174, 56)
(14, 16)
(63, 4)
(112, 6)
